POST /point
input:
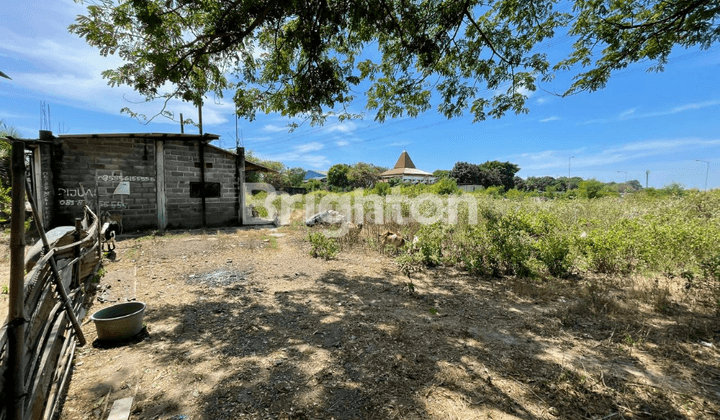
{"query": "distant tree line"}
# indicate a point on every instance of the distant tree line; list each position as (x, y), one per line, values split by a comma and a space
(285, 177)
(494, 174)
(359, 175)
(488, 174)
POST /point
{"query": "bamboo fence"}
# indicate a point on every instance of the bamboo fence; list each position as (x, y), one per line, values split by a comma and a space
(37, 342)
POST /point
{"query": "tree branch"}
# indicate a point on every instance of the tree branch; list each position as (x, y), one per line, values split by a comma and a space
(486, 39)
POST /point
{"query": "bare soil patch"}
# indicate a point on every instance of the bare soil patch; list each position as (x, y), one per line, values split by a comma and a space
(243, 323)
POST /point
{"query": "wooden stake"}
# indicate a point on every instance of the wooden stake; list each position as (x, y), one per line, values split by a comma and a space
(77, 267)
(16, 313)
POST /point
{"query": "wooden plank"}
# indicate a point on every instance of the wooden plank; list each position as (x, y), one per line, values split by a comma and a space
(51, 352)
(35, 353)
(87, 265)
(37, 175)
(121, 409)
(15, 399)
(39, 325)
(4, 358)
(61, 381)
(87, 241)
(39, 283)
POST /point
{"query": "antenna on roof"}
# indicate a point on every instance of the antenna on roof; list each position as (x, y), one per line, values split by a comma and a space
(45, 116)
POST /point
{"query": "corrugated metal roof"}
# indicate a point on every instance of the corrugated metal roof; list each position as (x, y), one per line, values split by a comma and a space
(178, 136)
(254, 167)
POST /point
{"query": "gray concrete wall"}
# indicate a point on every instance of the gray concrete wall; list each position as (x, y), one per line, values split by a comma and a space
(119, 174)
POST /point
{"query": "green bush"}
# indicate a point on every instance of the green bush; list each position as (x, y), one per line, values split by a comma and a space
(711, 267)
(380, 188)
(322, 246)
(640, 233)
(445, 186)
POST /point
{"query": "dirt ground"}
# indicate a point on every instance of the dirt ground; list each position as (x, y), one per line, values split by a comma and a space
(244, 323)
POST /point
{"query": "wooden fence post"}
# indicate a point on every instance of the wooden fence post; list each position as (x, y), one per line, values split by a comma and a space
(241, 179)
(16, 313)
(77, 266)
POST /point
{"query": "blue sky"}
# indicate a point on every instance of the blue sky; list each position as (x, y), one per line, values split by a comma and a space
(661, 122)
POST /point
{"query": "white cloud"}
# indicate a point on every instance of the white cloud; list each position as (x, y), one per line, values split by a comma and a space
(524, 91)
(553, 118)
(662, 146)
(632, 113)
(10, 115)
(93, 93)
(76, 80)
(398, 143)
(302, 155)
(596, 121)
(274, 128)
(258, 139)
(628, 113)
(681, 108)
(309, 147)
(549, 159)
(543, 100)
(344, 127)
(342, 143)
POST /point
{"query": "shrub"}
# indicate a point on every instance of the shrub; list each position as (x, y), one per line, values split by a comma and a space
(322, 246)
(711, 267)
(380, 188)
(445, 186)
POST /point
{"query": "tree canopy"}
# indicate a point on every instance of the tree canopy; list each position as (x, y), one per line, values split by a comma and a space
(338, 175)
(306, 58)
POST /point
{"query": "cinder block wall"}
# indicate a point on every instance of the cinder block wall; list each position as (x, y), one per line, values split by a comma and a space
(222, 210)
(94, 168)
(179, 161)
(182, 166)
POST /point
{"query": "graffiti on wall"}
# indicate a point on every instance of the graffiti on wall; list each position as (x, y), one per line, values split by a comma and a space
(113, 187)
(75, 196)
(121, 178)
(46, 195)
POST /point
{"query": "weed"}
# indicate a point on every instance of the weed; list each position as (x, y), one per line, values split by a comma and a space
(149, 236)
(132, 252)
(629, 340)
(100, 274)
(322, 246)
(271, 241)
(433, 311)
(5, 289)
(711, 267)
(410, 287)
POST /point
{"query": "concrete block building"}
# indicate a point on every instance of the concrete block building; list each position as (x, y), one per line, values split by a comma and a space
(149, 180)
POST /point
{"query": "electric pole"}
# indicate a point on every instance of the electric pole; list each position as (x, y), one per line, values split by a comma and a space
(707, 171)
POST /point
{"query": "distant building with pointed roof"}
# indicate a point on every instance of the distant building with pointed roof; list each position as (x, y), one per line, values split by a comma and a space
(405, 169)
